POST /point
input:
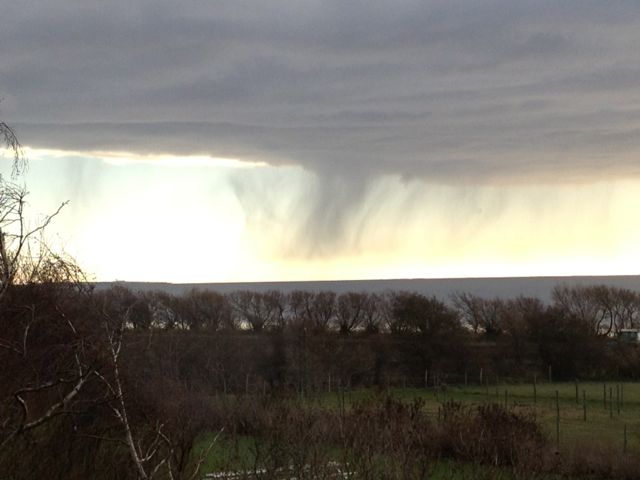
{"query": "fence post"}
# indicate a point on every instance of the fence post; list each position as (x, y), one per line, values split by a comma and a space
(480, 375)
(557, 420)
(246, 384)
(584, 405)
(426, 378)
(618, 398)
(610, 402)
(624, 445)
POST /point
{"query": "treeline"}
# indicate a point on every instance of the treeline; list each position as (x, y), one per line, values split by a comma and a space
(603, 309)
(309, 340)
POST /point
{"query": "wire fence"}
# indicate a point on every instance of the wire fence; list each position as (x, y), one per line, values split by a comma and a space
(570, 413)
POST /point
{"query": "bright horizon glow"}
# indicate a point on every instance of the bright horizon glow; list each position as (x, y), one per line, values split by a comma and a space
(123, 158)
(200, 221)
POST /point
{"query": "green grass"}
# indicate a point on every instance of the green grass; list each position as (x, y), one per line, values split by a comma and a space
(603, 426)
(449, 470)
(238, 455)
(225, 454)
(603, 422)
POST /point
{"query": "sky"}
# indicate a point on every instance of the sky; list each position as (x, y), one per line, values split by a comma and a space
(309, 140)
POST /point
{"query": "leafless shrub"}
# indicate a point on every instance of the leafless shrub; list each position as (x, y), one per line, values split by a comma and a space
(490, 434)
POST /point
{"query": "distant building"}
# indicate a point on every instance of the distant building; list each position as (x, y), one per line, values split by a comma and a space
(629, 335)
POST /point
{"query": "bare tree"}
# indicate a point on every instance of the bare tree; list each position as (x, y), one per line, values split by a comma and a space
(431, 331)
(45, 352)
(258, 311)
(479, 314)
(301, 308)
(276, 303)
(9, 138)
(372, 313)
(206, 310)
(350, 311)
(22, 247)
(424, 315)
(120, 301)
(629, 308)
(323, 310)
(385, 309)
(46, 356)
(470, 309)
(151, 449)
(166, 311)
(604, 309)
(618, 306)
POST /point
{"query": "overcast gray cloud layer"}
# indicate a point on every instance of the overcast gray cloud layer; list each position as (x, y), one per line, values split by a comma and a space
(440, 89)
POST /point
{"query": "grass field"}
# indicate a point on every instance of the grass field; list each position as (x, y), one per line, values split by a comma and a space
(238, 455)
(605, 418)
(605, 424)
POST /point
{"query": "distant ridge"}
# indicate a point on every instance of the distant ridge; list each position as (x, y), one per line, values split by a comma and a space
(443, 288)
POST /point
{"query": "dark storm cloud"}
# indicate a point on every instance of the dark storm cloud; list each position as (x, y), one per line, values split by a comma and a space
(448, 90)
